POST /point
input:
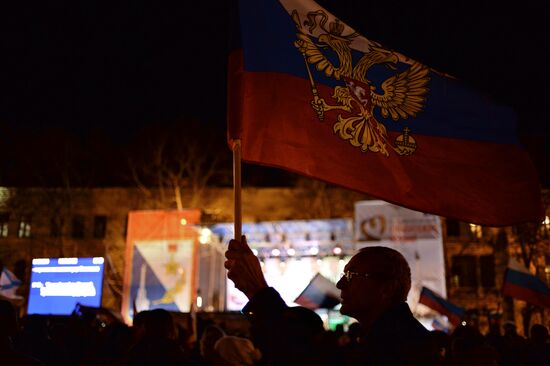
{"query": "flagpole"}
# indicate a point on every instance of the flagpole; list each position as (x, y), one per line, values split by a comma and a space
(314, 91)
(237, 216)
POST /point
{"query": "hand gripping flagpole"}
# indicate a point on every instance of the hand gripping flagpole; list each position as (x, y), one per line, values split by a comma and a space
(237, 216)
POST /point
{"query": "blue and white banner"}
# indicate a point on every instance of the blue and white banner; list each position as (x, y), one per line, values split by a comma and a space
(162, 275)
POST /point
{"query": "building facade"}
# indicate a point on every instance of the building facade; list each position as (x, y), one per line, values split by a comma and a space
(41, 222)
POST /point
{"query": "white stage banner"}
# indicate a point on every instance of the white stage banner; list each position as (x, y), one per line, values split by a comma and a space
(414, 234)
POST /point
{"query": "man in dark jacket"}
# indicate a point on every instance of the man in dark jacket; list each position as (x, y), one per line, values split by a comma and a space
(374, 287)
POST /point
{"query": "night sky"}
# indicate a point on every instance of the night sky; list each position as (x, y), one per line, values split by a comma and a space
(102, 72)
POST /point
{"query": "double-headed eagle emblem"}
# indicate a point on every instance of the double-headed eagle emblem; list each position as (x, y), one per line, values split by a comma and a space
(402, 94)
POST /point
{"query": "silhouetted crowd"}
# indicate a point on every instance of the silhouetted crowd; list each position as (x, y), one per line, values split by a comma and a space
(373, 290)
(157, 339)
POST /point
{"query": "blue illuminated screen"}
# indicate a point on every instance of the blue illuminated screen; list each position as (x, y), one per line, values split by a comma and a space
(58, 284)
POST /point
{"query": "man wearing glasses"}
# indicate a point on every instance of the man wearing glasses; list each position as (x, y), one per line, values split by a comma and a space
(374, 288)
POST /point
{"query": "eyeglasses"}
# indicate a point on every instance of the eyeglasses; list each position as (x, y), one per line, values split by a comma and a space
(348, 275)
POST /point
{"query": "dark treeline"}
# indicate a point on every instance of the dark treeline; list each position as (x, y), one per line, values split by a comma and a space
(56, 157)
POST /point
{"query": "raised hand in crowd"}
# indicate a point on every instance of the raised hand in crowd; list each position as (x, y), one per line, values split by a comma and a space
(243, 268)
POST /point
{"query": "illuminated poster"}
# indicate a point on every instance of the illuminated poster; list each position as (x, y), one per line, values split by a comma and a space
(161, 260)
(414, 234)
(59, 284)
(162, 273)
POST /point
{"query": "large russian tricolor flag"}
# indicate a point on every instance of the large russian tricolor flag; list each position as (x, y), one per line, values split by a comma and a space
(436, 302)
(519, 283)
(309, 94)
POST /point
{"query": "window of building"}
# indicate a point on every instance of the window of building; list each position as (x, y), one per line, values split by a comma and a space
(78, 227)
(487, 267)
(100, 227)
(453, 227)
(476, 232)
(4, 224)
(463, 271)
(56, 226)
(24, 227)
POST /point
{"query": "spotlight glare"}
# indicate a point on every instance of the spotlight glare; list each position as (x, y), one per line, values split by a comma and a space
(313, 250)
(205, 235)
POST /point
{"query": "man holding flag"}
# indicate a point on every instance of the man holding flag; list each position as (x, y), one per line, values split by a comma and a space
(374, 288)
(307, 93)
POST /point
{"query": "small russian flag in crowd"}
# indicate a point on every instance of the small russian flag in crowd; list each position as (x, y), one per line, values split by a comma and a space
(437, 325)
(320, 293)
(438, 303)
(519, 283)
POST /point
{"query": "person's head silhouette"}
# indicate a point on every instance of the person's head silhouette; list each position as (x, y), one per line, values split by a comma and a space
(375, 279)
